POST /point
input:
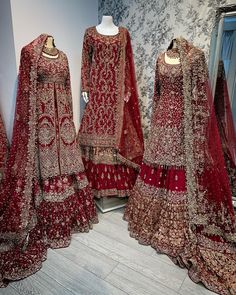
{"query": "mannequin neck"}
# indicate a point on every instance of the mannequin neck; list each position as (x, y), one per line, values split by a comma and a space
(174, 44)
(107, 21)
(49, 49)
(107, 27)
(49, 42)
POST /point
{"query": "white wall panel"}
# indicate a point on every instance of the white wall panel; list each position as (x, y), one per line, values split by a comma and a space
(8, 71)
(66, 20)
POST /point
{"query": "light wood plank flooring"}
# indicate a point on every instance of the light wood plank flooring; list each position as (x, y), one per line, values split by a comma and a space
(106, 261)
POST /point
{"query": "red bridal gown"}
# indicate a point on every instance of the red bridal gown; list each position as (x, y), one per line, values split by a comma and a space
(186, 214)
(63, 187)
(46, 196)
(110, 134)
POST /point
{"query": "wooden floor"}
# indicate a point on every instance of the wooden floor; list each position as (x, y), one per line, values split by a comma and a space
(106, 261)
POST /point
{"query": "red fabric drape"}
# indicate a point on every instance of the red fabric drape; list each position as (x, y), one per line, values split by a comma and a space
(131, 142)
(226, 126)
(224, 115)
(210, 198)
(45, 195)
(15, 197)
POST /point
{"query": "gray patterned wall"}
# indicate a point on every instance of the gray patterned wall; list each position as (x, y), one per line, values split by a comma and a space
(152, 25)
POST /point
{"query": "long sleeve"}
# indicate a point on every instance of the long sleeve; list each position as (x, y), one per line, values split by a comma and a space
(156, 94)
(86, 63)
(200, 105)
(68, 88)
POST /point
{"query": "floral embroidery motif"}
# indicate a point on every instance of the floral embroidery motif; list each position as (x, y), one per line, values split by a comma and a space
(182, 206)
(110, 131)
(45, 195)
(101, 70)
(58, 150)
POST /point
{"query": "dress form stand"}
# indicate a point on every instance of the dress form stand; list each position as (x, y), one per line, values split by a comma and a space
(107, 27)
(107, 204)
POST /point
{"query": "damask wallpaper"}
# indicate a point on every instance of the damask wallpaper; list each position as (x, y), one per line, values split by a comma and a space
(152, 25)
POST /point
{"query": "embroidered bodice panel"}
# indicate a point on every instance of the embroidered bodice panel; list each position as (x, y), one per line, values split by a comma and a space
(53, 69)
(166, 140)
(58, 151)
(101, 77)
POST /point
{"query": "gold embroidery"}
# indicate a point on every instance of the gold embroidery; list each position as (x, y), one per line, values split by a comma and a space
(106, 77)
(58, 149)
(57, 196)
(165, 146)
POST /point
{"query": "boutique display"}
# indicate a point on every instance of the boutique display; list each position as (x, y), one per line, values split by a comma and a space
(181, 203)
(45, 196)
(3, 149)
(110, 134)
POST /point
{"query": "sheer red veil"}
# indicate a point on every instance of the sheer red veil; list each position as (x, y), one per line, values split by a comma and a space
(209, 196)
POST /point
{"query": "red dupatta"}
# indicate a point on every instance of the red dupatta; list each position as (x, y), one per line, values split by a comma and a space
(131, 145)
(209, 197)
(226, 125)
(17, 213)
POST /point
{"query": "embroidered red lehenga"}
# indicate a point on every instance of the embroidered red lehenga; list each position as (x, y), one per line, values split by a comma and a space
(45, 195)
(110, 134)
(3, 149)
(181, 203)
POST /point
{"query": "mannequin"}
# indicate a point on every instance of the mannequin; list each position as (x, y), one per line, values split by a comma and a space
(181, 203)
(107, 28)
(49, 49)
(53, 195)
(111, 119)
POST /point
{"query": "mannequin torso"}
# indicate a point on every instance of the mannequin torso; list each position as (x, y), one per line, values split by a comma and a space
(107, 27)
